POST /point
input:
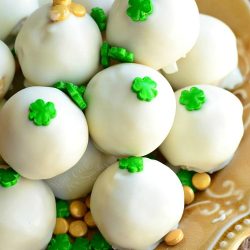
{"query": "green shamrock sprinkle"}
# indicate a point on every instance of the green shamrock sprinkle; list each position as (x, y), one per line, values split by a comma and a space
(121, 54)
(139, 10)
(99, 243)
(185, 177)
(81, 244)
(193, 99)
(105, 62)
(74, 92)
(145, 88)
(132, 164)
(60, 242)
(115, 53)
(100, 18)
(8, 177)
(41, 113)
(62, 209)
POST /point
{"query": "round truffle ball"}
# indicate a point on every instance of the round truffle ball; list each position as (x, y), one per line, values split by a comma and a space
(27, 215)
(119, 122)
(79, 180)
(66, 50)
(7, 68)
(42, 152)
(124, 205)
(212, 58)
(204, 140)
(13, 12)
(167, 34)
(89, 4)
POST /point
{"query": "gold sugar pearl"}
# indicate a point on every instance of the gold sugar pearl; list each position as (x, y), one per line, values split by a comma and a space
(78, 9)
(89, 219)
(87, 201)
(59, 13)
(62, 2)
(78, 228)
(77, 209)
(188, 195)
(62, 226)
(174, 237)
(201, 181)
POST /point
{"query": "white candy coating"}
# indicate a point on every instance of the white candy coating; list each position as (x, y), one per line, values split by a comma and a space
(7, 68)
(134, 211)
(78, 181)
(27, 215)
(12, 12)
(168, 34)
(89, 4)
(212, 58)
(67, 50)
(42, 2)
(42, 152)
(120, 123)
(206, 139)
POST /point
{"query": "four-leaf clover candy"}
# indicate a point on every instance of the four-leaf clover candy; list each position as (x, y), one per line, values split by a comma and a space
(81, 244)
(206, 139)
(130, 198)
(99, 243)
(42, 152)
(28, 212)
(120, 124)
(159, 33)
(140, 10)
(132, 164)
(60, 242)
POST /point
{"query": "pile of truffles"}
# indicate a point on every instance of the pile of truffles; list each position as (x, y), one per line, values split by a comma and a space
(97, 114)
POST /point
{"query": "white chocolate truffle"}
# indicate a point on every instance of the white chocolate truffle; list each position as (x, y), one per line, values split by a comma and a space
(134, 211)
(213, 57)
(121, 124)
(27, 215)
(205, 140)
(78, 181)
(89, 4)
(66, 50)
(168, 34)
(12, 12)
(7, 68)
(42, 152)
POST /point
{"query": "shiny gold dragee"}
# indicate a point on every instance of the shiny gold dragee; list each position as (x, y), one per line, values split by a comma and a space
(201, 181)
(188, 195)
(174, 237)
(89, 219)
(62, 226)
(61, 10)
(78, 209)
(87, 201)
(78, 228)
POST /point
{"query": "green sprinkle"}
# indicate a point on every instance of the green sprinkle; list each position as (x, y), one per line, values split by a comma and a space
(42, 113)
(62, 209)
(105, 62)
(81, 244)
(100, 18)
(145, 88)
(74, 92)
(60, 242)
(192, 99)
(185, 177)
(99, 243)
(8, 177)
(121, 54)
(132, 164)
(139, 10)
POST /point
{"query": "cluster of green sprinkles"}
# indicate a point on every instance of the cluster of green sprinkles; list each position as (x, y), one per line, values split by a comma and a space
(192, 99)
(62, 209)
(74, 92)
(8, 177)
(139, 10)
(133, 164)
(62, 242)
(145, 88)
(185, 177)
(116, 53)
(100, 17)
(41, 113)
